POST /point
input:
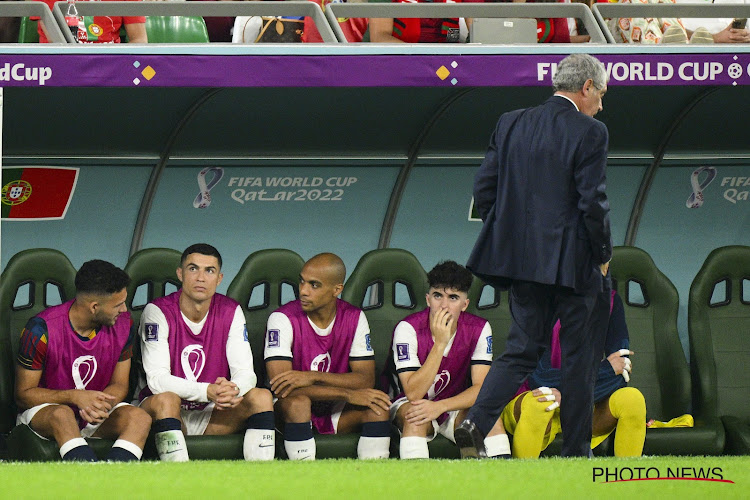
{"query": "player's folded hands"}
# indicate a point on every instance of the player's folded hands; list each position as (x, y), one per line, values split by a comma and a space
(95, 400)
(224, 393)
(93, 416)
(93, 406)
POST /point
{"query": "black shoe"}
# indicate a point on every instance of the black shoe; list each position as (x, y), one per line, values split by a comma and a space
(470, 440)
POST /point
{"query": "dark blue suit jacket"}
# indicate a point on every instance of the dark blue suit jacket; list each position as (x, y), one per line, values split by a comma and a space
(541, 194)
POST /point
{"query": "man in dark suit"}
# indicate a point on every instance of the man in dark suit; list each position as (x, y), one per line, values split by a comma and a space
(541, 194)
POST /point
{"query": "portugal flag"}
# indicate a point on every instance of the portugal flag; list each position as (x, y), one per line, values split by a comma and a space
(37, 193)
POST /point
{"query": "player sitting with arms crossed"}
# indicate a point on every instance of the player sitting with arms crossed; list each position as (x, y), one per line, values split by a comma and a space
(199, 366)
(441, 356)
(74, 366)
(533, 417)
(322, 368)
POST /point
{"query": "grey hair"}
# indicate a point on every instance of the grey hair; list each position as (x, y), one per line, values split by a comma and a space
(573, 71)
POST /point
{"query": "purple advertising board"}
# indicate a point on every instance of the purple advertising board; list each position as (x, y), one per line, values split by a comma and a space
(385, 70)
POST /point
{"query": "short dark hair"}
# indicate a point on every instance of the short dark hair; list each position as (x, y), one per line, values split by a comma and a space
(100, 277)
(449, 274)
(203, 249)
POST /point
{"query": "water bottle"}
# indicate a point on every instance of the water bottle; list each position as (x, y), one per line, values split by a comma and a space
(74, 21)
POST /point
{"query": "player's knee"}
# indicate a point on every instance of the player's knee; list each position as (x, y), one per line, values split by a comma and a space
(295, 408)
(399, 419)
(534, 413)
(61, 415)
(260, 399)
(371, 415)
(137, 419)
(165, 403)
(628, 403)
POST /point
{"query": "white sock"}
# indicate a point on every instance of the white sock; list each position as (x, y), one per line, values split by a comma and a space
(373, 447)
(413, 447)
(259, 444)
(171, 446)
(128, 446)
(497, 445)
(73, 443)
(300, 450)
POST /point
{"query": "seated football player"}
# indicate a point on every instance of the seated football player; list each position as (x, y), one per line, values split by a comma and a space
(533, 417)
(440, 358)
(74, 366)
(199, 366)
(321, 366)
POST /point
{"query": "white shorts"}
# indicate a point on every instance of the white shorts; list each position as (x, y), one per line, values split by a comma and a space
(26, 417)
(338, 408)
(195, 421)
(444, 429)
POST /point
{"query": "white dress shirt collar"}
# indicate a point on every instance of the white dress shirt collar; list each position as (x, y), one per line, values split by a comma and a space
(568, 98)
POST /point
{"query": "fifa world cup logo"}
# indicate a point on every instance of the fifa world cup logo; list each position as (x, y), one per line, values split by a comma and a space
(321, 363)
(442, 380)
(203, 200)
(84, 370)
(193, 360)
(695, 200)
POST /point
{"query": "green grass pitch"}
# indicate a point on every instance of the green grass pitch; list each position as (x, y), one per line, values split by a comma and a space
(552, 478)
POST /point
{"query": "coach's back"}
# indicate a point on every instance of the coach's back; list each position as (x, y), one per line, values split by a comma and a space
(543, 201)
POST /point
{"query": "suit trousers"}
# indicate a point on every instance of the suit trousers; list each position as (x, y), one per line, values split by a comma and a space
(535, 308)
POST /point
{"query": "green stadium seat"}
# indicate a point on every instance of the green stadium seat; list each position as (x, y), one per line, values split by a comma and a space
(32, 281)
(153, 274)
(388, 284)
(176, 29)
(718, 325)
(259, 288)
(492, 305)
(660, 369)
(27, 32)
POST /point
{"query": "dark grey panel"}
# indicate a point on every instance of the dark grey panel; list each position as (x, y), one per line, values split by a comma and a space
(91, 121)
(246, 122)
(299, 121)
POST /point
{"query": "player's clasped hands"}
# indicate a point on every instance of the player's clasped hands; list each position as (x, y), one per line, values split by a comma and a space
(376, 400)
(423, 411)
(224, 393)
(284, 383)
(543, 394)
(442, 325)
(94, 406)
(621, 364)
